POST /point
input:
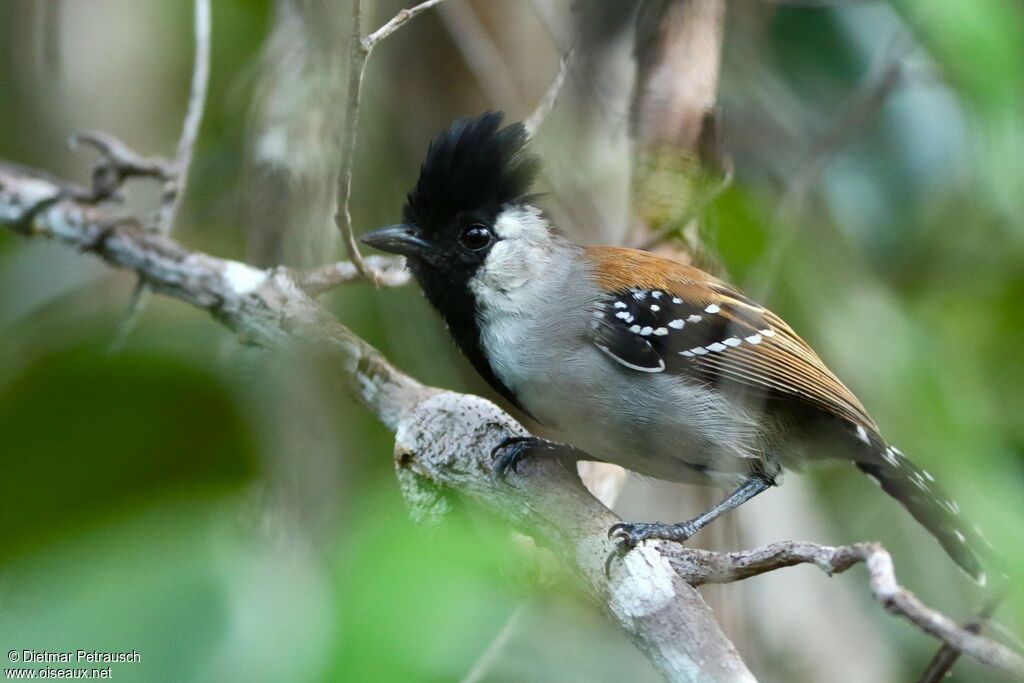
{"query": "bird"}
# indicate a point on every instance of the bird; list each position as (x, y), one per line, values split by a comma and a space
(629, 357)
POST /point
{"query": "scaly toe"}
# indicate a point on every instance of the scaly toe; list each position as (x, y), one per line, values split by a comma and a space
(507, 455)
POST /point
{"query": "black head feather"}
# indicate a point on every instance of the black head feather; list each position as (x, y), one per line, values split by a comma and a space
(472, 171)
(474, 166)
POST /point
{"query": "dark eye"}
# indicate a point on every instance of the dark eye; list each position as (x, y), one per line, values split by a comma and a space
(476, 237)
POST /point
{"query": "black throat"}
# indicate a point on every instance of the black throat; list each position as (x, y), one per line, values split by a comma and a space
(471, 172)
(457, 306)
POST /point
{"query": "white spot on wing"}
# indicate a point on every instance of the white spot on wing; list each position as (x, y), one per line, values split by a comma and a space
(655, 308)
(862, 434)
(732, 341)
(694, 318)
(625, 315)
(712, 308)
(698, 350)
(717, 346)
(676, 300)
(661, 331)
(753, 339)
(676, 324)
(621, 304)
(634, 329)
(646, 331)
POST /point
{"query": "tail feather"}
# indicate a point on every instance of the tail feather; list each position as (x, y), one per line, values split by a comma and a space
(916, 490)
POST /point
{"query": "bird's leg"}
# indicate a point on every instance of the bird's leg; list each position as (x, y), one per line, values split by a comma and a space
(514, 449)
(628, 535)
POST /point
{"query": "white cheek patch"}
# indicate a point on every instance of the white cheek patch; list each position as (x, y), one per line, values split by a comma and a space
(522, 222)
(512, 270)
(507, 266)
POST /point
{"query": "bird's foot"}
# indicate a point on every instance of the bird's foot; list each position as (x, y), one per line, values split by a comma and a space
(514, 449)
(628, 535)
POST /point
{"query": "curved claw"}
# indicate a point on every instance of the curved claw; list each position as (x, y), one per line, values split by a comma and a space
(622, 534)
(629, 535)
(514, 449)
(508, 454)
(618, 553)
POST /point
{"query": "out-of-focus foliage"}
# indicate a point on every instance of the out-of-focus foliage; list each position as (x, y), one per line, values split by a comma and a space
(232, 514)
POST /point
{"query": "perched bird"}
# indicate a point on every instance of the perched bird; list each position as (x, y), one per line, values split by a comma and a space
(629, 357)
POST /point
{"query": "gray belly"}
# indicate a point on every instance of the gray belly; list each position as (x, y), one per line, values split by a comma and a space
(659, 425)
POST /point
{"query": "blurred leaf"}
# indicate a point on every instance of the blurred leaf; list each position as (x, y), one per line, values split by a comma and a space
(978, 42)
(740, 236)
(85, 435)
(419, 604)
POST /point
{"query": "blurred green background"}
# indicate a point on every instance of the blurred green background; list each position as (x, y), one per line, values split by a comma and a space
(232, 514)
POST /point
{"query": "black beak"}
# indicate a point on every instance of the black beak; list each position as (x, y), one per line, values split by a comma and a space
(404, 240)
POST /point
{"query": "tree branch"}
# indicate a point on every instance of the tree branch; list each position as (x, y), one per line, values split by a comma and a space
(390, 270)
(359, 53)
(396, 22)
(550, 98)
(174, 189)
(443, 441)
(176, 177)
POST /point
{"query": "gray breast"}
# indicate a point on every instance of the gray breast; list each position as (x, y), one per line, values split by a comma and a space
(662, 425)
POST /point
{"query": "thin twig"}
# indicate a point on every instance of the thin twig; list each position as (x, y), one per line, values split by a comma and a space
(699, 567)
(396, 22)
(174, 189)
(550, 98)
(946, 657)
(390, 270)
(485, 662)
(117, 162)
(359, 53)
(140, 298)
(176, 180)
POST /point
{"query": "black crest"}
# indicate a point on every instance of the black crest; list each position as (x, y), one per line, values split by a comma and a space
(472, 166)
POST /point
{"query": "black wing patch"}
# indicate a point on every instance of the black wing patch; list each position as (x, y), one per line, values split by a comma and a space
(654, 330)
(715, 336)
